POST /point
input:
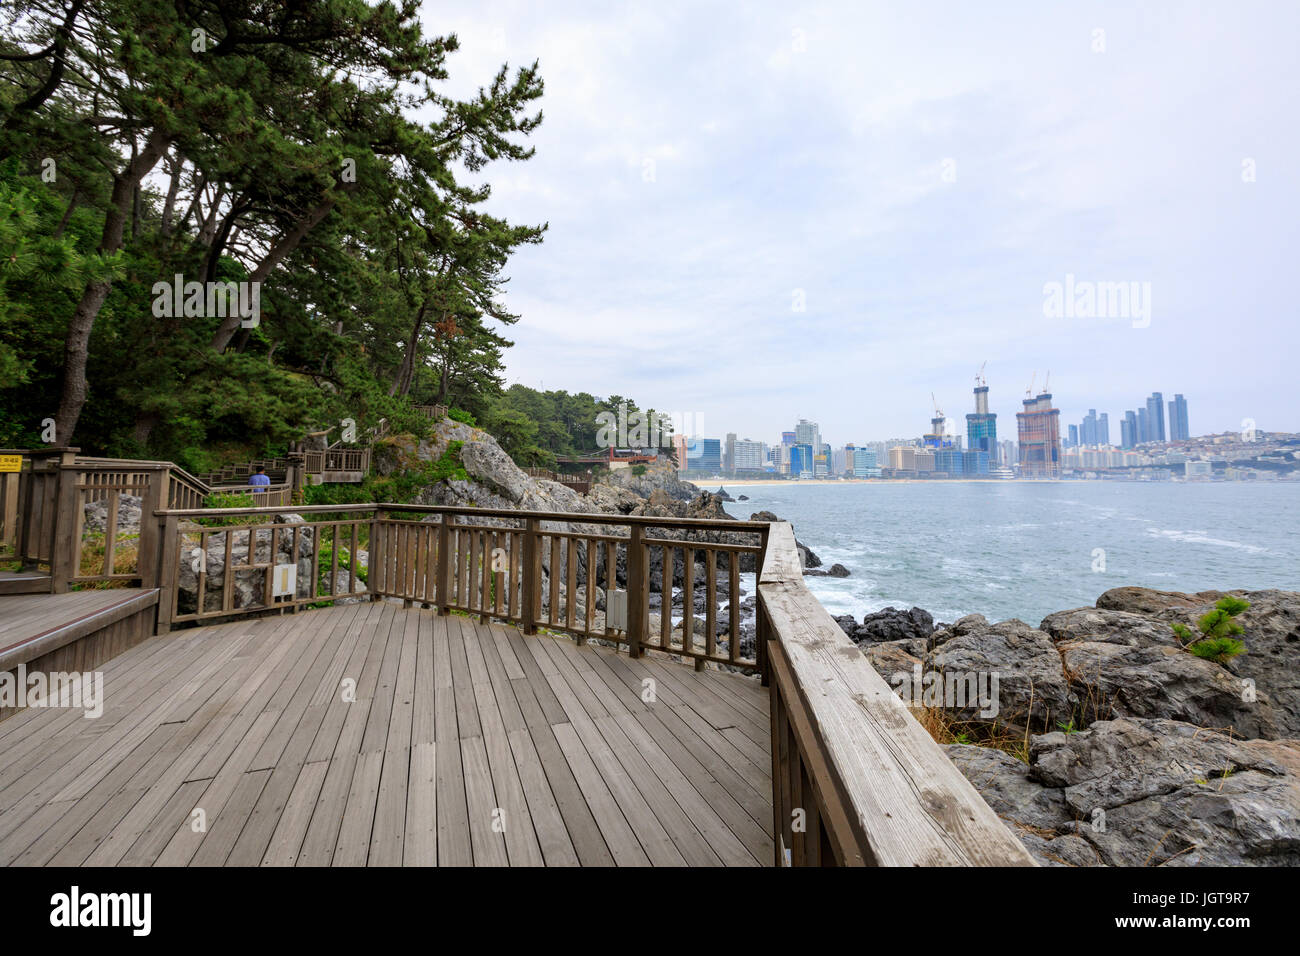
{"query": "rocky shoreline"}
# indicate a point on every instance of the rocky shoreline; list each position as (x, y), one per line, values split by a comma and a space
(1113, 744)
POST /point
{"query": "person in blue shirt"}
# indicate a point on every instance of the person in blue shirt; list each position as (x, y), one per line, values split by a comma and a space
(259, 479)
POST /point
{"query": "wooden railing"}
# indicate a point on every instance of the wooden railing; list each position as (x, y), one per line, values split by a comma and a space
(432, 412)
(856, 779)
(579, 483)
(536, 569)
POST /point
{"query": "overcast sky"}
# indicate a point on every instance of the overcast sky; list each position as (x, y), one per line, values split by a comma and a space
(913, 174)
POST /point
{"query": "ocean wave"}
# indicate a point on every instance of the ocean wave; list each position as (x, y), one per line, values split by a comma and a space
(1200, 537)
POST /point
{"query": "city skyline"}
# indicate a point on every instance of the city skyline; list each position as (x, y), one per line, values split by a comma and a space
(957, 424)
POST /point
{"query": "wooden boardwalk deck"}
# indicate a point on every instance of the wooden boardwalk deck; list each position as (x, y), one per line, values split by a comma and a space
(370, 734)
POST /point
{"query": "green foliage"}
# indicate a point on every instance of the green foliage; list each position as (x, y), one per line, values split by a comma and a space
(308, 147)
(638, 470)
(404, 486)
(1220, 650)
(1217, 627)
(459, 415)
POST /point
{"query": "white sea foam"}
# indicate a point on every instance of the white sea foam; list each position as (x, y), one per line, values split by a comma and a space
(1200, 537)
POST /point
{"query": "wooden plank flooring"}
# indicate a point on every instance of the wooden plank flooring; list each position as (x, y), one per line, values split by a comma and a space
(375, 735)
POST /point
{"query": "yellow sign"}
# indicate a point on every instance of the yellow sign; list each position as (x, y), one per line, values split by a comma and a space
(11, 462)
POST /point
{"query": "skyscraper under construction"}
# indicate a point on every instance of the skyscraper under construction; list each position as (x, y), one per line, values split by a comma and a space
(1039, 428)
(982, 426)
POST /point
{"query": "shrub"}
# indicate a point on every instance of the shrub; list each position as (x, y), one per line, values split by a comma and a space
(1217, 642)
(1220, 650)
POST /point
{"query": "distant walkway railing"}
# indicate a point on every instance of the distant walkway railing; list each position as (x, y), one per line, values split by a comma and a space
(579, 483)
(536, 569)
(43, 512)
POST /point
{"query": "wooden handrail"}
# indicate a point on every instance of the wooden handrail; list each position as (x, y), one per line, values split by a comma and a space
(868, 782)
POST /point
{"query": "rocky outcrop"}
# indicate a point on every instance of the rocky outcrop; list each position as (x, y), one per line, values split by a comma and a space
(128, 515)
(1135, 752)
(891, 624)
(834, 571)
(1127, 649)
(1122, 664)
(1147, 792)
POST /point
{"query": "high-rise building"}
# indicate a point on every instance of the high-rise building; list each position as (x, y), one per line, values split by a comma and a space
(707, 456)
(902, 458)
(982, 425)
(1143, 426)
(1088, 430)
(680, 451)
(864, 463)
(1156, 417)
(1073, 440)
(801, 459)
(748, 456)
(948, 461)
(808, 433)
(1039, 428)
(1178, 430)
(1103, 429)
(1128, 431)
(729, 453)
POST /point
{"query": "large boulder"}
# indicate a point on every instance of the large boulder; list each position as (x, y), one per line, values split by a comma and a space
(1121, 664)
(1257, 693)
(1138, 792)
(1171, 793)
(1032, 690)
(128, 515)
(891, 624)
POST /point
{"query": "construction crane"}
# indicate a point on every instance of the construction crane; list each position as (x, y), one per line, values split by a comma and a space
(1029, 392)
(979, 376)
(1047, 383)
(938, 412)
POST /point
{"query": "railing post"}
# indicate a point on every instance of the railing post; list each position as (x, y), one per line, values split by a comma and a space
(154, 499)
(65, 547)
(532, 572)
(442, 583)
(376, 568)
(168, 568)
(636, 596)
(760, 626)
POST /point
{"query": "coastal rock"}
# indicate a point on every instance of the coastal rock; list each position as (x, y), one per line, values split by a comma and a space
(1136, 600)
(128, 515)
(894, 658)
(1121, 664)
(1032, 688)
(1170, 793)
(1269, 670)
(1138, 792)
(1272, 657)
(835, 571)
(890, 624)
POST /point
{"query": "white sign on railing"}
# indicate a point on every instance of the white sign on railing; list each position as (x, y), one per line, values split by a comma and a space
(284, 583)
